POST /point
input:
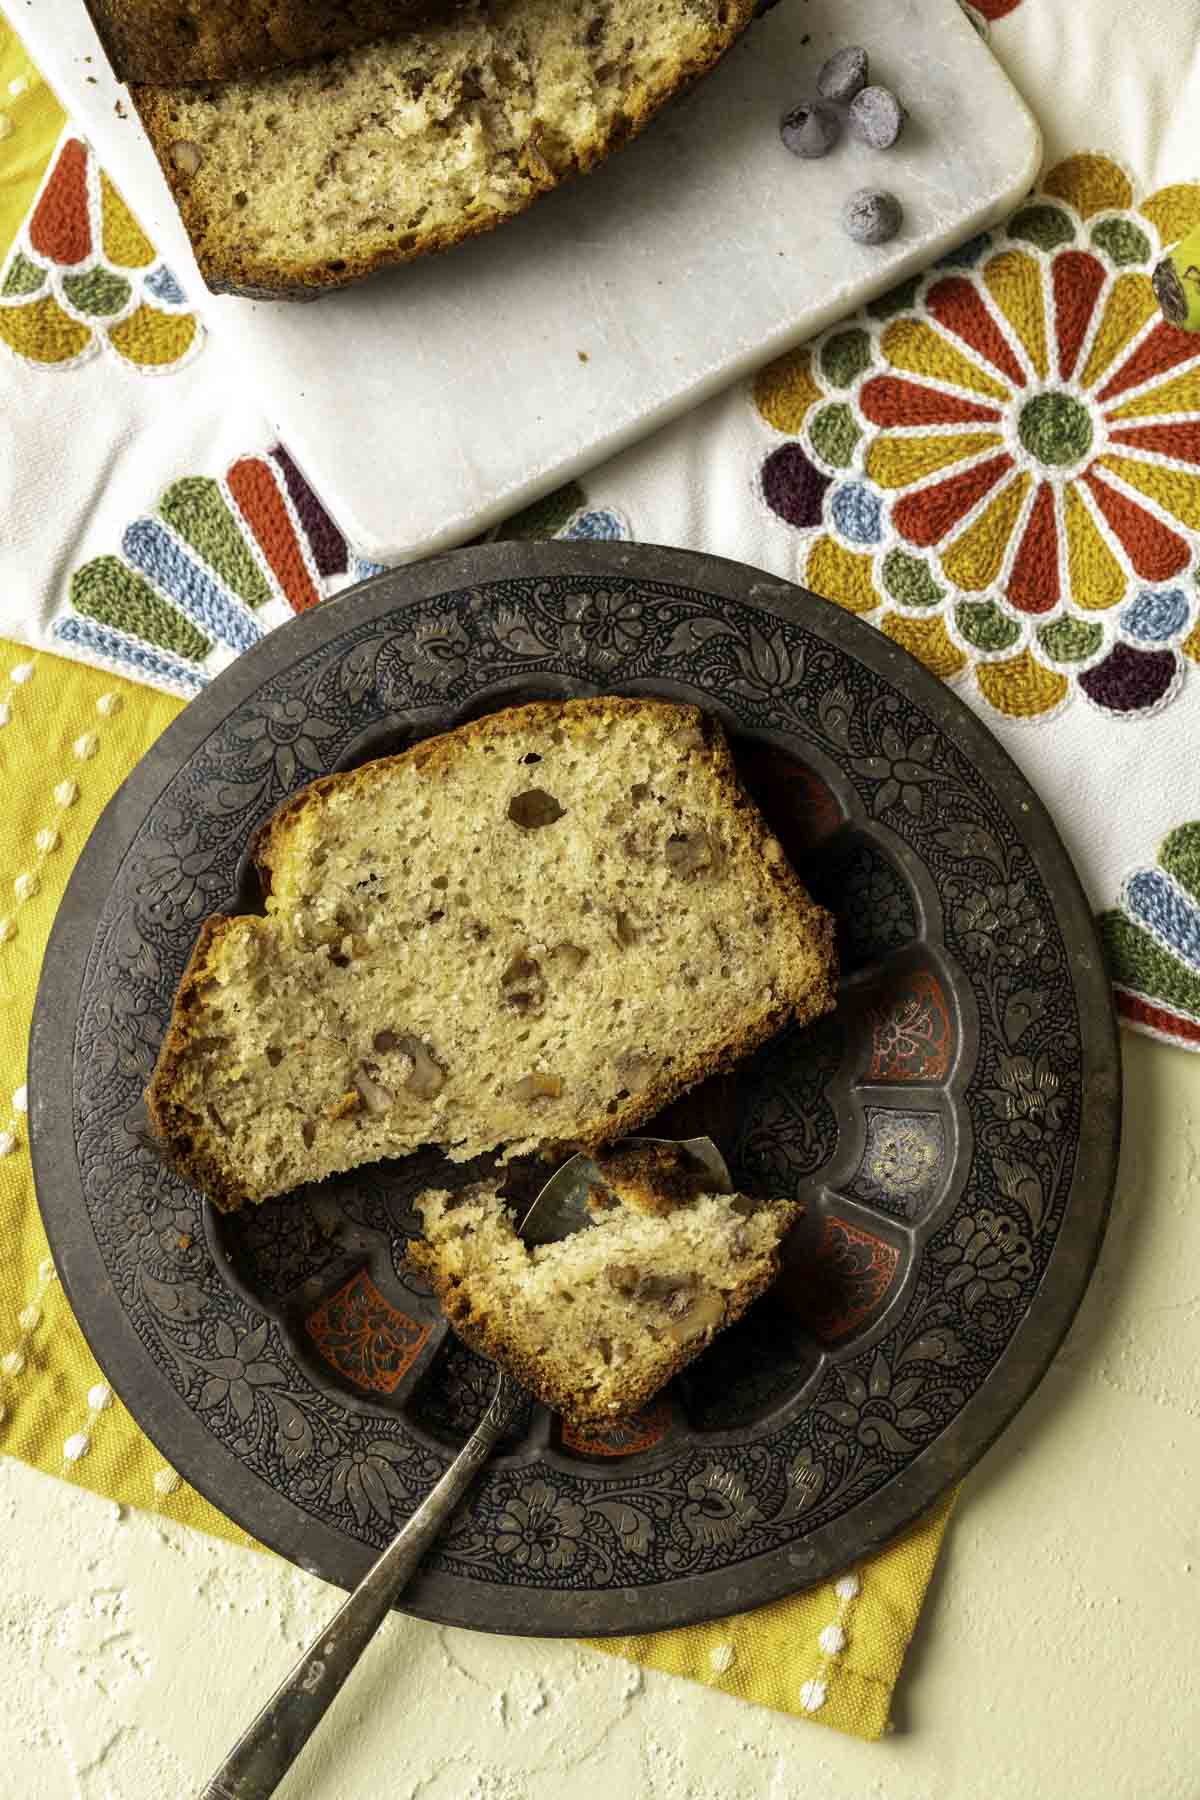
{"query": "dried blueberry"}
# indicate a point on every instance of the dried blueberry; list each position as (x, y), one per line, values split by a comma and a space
(872, 217)
(877, 117)
(843, 75)
(811, 129)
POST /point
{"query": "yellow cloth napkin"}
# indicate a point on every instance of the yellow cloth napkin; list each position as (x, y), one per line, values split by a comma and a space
(30, 122)
(70, 735)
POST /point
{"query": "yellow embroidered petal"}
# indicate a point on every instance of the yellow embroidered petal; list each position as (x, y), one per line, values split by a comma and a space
(927, 640)
(975, 558)
(896, 462)
(1174, 210)
(914, 346)
(1182, 394)
(1014, 281)
(1175, 490)
(785, 390)
(1096, 578)
(1021, 688)
(1191, 644)
(838, 574)
(43, 332)
(152, 339)
(125, 243)
(1129, 305)
(1090, 183)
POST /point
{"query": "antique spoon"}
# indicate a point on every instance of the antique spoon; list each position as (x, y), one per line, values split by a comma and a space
(267, 1749)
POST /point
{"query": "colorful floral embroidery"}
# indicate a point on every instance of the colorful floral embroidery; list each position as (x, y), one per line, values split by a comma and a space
(216, 564)
(219, 562)
(1000, 462)
(1152, 939)
(565, 514)
(82, 276)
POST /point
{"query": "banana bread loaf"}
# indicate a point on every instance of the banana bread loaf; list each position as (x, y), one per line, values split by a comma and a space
(311, 177)
(536, 930)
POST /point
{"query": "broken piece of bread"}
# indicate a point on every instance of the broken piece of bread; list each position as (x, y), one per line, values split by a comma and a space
(596, 1324)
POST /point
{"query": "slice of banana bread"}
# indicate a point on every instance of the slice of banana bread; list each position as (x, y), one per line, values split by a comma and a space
(208, 40)
(536, 930)
(596, 1324)
(314, 176)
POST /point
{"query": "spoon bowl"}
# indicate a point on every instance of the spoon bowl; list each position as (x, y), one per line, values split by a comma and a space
(561, 1208)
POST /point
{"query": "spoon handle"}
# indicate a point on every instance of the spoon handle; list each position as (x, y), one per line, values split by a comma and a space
(266, 1751)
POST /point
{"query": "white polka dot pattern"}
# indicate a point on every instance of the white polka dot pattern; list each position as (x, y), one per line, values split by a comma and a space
(813, 1695)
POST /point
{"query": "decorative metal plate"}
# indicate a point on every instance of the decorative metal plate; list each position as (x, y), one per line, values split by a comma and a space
(953, 1128)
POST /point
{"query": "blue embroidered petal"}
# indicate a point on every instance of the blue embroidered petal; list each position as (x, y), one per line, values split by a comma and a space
(163, 285)
(857, 513)
(1153, 900)
(161, 556)
(1155, 615)
(596, 525)
(143, 663)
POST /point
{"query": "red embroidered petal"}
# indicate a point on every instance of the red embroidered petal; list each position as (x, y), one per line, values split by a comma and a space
(1164, 349)
(1155, 552)
(259, 501)
(926, 516)
(1033, 584)
(957, 304)
(1140, 1011)
(1078, 278)
(1181, 441)
(59, 228)
(885, 400)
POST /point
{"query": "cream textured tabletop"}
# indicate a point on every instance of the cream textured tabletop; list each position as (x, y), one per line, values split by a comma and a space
(1056, 1656)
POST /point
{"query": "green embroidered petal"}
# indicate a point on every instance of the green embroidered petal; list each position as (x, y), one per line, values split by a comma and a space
(98, 294)
(984, 626)
(105, 589)
(23, 277)
(195, 507)
(833, 434)
(1122, 242)
(844, 356)
(545, 516)
(1070, 640)
(1180, 856)
(1046, 226)
(1137, 960)
(896, 300)
(907, 579)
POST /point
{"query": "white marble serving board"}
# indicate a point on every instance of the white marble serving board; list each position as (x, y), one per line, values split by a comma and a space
(432, 401)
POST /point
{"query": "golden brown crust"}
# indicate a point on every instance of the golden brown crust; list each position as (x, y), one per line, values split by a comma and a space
(212, 40)
(650, 1178)
(437, 757)
(257, 276)
(493, 1338)
(174, 1126)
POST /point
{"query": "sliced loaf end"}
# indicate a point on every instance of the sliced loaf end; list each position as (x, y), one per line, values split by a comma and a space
(310, 178)
(535, 931)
